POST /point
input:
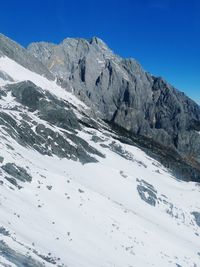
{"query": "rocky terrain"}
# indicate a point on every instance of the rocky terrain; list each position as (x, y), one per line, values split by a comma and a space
(123, 93)
(99, 160)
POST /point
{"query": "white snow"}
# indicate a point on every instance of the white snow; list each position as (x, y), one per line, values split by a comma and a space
(109, 224)
(92, 215)
(19, 73)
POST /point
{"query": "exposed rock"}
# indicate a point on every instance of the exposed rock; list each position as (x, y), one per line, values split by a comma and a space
(17, 258)
(2, 93)
(17, 172)
(49, 187)
(16, 52)
(4, 232)
(27, 93)
(120, 151)
(6, 77)
(12, 181)
(58, 115)
(48, 142)
(122, 92)
(181, 167)
(147, 192)
(197, 217)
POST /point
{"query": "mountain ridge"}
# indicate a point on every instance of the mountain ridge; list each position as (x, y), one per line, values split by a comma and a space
(130, 88)
(79, 190)
(119, 91)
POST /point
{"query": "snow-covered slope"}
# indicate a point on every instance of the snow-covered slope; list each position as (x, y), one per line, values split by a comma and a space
(19, 73)
(108, 204)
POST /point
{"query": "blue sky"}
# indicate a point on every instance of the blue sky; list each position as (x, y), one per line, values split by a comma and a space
(163, 35)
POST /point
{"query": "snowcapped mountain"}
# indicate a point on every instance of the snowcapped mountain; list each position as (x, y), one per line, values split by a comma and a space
(83, 184)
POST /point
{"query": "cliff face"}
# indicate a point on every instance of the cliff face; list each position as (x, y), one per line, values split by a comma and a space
(18, 53)
(117, 90)
(123, 93)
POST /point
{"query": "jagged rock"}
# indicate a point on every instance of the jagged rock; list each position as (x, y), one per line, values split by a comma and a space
(58, 115)
(46, 141)
(13, 181)
(51, 109)
(122, 92)
(120, 151)
(18, 53)
(27, 93)
(17, 172)
(17, 258)
(2, 93)
(147, 192)
(1, 159)
(197, 217)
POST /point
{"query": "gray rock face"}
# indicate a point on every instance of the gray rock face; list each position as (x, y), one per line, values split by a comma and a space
(50, 109)
(178, 116)
(147, 192)
(16, 52)
(122, 92)
(197, 217)
(58, 115)
(27, 94)
(49, 135)
(5, 76)
(17, 172)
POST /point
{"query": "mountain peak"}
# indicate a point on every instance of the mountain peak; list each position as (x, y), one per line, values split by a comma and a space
(98, 41)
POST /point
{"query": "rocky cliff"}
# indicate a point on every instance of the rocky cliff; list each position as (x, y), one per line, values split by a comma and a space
(123, 93)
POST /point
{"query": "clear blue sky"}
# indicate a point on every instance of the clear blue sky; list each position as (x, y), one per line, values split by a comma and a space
(163, 35)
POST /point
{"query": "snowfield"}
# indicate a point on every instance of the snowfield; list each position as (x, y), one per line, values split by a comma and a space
(125, 210)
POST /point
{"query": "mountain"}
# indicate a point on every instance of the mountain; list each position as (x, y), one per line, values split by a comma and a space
(99, 160)
(124, 94)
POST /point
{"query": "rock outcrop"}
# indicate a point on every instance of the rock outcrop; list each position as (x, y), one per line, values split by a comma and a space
(18, 53)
